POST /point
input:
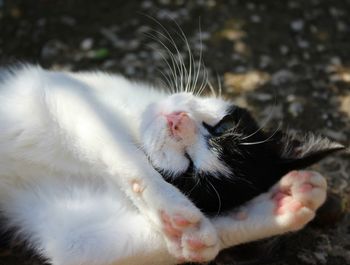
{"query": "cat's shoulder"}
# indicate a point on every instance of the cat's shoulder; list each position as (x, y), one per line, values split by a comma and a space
(33, 75)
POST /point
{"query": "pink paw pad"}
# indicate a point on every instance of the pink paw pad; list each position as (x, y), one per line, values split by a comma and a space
(181, 260)
(180, 221)
(196, 258)
(169, 229)
(291, 206)
(302, 176)
(306, 187)
(285, 203)
(195, 244)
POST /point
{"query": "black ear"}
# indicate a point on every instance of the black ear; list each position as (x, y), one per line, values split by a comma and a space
(300, 151)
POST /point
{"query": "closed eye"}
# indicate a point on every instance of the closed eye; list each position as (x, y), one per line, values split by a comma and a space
(225, 124)
(209, 128)
(189, 159)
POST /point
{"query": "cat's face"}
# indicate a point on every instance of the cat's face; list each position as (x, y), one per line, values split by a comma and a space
(175, 133)
(216, 153)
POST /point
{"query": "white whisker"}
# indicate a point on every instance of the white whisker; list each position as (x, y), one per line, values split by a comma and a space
(217, 194)
(264, 141)
(265, 122)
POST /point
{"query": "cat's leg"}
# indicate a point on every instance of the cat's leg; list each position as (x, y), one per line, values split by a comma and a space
(99, 137)
(288, 206)
(189, 235)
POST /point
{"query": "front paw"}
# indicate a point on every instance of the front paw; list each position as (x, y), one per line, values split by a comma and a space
(190, 239)
(297, 196)
(189, 235)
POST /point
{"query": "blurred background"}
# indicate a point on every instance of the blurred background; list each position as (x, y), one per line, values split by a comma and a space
(287, 61)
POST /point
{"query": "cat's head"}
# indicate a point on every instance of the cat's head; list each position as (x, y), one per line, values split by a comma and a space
(216, 153)
(174, 135)
(184, 130)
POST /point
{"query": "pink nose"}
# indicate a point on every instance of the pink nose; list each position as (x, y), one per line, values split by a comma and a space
(180, 124)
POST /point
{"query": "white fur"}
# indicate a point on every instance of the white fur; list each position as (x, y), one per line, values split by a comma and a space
(71, 147)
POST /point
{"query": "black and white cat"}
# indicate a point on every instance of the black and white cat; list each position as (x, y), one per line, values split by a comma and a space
(78, 178)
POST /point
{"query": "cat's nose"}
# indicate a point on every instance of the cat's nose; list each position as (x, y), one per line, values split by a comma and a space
(181, 126)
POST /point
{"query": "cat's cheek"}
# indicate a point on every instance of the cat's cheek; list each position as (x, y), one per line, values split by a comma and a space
(171, 161)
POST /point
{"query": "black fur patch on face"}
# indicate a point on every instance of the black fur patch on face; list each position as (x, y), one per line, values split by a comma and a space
(256, 160)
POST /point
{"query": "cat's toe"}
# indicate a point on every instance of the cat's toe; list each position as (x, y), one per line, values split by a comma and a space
(195, 244)
(201, 243)
(175, 224)
(311, 190)
(298, 195)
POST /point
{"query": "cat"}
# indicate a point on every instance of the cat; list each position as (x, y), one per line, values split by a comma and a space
(78, 183)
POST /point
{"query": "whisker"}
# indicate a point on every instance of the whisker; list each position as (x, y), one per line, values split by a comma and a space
(265, 122)
(264, 141)
(212, 89)
(168, 82)
(218, 196)
(194, 186)
(190, 56)
(170, 39)
(184, 79)
(219, 85)
(175, 65)
(200, 60)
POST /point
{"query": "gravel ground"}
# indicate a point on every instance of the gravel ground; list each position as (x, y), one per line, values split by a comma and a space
(287, 61)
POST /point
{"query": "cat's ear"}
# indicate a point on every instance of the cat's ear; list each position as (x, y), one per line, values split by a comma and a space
(302, 150)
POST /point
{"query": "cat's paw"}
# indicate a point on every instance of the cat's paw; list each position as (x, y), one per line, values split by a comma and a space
(287, 206)
(189, 235)
(194, 241)
(296, 198)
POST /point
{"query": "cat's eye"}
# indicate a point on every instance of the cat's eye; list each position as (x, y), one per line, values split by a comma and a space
(225, 124)
(189, 159)
(209, 128)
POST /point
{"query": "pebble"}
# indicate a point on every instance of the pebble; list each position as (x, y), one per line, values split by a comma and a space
(262, 96)
(245, 81)
(332, 164)
(241, 48)
(345, 104)
(87, 44)
(52, 49)
(342, 26)
(16, 12)
(335, 60)
(303, 43)
(69, 21)
(264, 61)
(146, 4)
(109, 64)
(320, 47)
(110, 35)
(284, 49)
(297, 25)
(255, 18)
(282, 76)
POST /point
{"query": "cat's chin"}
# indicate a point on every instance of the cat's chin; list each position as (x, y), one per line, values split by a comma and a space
(173, 163)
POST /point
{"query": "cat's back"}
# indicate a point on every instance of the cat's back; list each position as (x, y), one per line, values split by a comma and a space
(24, 84)
(42, 113)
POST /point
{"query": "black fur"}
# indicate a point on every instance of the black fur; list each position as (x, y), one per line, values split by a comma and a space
(256, 160)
